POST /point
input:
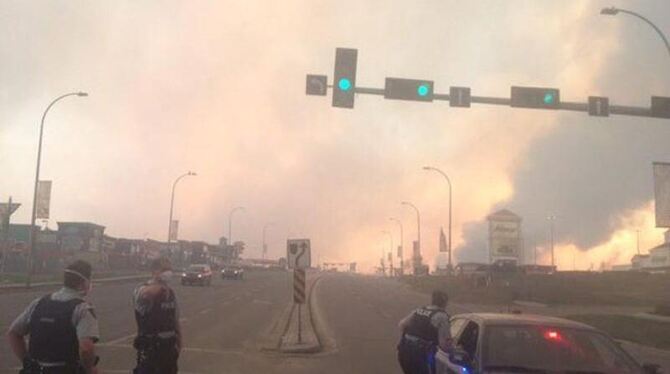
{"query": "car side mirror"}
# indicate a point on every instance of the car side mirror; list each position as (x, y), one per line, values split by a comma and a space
(459, 356)
(652, 369)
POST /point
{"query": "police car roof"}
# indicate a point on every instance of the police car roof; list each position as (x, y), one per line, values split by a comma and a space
(523, 319)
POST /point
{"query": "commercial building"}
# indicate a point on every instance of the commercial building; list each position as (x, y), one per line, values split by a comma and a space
(80, 236)
(505, 240)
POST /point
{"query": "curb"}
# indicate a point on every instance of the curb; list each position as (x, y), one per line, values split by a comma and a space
(277, 330)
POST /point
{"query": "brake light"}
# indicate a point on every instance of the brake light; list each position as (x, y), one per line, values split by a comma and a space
(552, 335)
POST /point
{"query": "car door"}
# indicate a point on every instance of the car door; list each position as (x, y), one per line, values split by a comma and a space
(468, 340)
(441, 357)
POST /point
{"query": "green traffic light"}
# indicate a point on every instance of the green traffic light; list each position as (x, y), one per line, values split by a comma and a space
(549, 98)
(344, 84)
(423, 90)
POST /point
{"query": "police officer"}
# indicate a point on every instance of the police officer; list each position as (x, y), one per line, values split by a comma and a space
(62, 327)
(158, 341)
(423, 331)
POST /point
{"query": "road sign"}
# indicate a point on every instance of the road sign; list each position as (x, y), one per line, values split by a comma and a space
(408, 89)
(459, 97)
(599, 106)
(298, 254)
(535, 97)
(660, 106)
(299, 280)
(345, 77)
(317, 85)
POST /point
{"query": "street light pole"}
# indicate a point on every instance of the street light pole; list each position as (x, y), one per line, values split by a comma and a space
(264, 244)
(402, 241)
(449, 183)
(29, 263)
(418, 223)
(612, 11)
(174, 185)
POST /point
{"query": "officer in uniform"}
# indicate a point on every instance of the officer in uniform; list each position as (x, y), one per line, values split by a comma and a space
(158, 341)
(62, 327)
(423, 331)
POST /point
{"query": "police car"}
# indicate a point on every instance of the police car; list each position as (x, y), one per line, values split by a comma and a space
(517, 343)
(197, 274)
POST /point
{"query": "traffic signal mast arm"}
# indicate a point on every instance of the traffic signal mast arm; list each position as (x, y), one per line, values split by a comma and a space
(345, 88)
(504, 101)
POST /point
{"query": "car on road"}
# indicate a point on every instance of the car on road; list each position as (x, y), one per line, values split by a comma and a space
(197, 274)
(232, 272)
(518, 343)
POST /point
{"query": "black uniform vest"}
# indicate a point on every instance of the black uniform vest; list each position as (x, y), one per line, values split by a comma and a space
(420, 325)
(161, 317)
(53, 337)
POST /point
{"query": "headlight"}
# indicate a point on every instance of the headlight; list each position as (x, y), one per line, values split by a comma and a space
(199, 275)
(183, 274)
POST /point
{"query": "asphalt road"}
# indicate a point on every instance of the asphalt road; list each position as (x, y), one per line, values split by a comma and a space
(225, 324)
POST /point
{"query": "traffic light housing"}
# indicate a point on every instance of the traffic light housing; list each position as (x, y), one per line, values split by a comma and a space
(408, 89)
(459, 97)
(345, 77)
(535, 97)
(599, 106)
(660, 106)
(316, 85)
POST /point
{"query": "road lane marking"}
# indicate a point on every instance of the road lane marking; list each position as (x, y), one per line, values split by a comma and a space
(205, 311)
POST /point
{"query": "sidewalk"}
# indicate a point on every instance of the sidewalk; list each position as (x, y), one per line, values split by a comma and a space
(22, 286)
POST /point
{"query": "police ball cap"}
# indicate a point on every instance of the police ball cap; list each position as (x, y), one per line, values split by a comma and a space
(80, 267)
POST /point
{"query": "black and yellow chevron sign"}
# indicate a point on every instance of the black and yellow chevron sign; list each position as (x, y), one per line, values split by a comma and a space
(299, 286)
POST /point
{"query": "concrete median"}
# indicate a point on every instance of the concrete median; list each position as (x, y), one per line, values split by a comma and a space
(288, 336)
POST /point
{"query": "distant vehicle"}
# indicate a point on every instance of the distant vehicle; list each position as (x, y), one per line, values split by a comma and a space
(197, 274)
(232, 272)
(517, 343)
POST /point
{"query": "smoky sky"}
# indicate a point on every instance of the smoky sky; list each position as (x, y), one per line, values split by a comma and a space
(218, 88)
(588, 173)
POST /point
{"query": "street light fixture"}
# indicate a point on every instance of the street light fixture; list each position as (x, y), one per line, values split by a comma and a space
(29, 267)
(612, 11)
(430, 168)
(174, 185)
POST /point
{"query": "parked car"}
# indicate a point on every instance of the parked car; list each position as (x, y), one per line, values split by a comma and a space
(232, 272)
(517, 343)
(197, 274)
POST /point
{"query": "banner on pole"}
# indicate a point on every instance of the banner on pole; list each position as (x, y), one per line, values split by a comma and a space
(443, 241)
(43, 200)
(417, 250)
